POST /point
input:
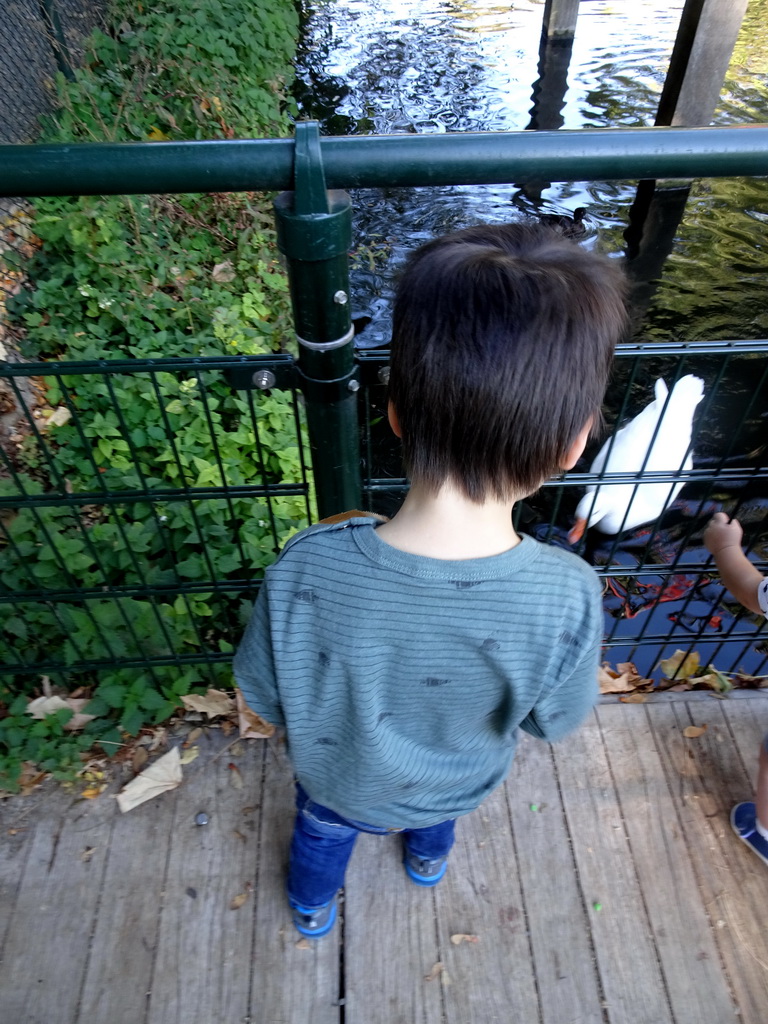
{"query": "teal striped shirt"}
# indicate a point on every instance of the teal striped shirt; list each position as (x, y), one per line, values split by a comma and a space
(401, 680)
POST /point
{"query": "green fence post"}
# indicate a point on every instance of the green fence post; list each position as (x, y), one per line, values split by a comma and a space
(314, 231)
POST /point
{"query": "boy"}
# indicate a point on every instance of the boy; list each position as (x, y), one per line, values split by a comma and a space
(723, 540)
(403, 656)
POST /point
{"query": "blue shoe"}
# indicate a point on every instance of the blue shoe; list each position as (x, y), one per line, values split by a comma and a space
(743, 818)
(315, 922)
(424, 872)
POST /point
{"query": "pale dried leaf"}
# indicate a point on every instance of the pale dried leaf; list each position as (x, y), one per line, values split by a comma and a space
(235, 778)
(40, 707)
(303, 944)
(189, 755)
(634, 698)
(194, 735)
(252, 726)
(680, 665)
(59, 417)
(159, 777)
(692, 732)
(460, 937)
(436, 970)
(212, 703)
(238, 901)
(224, 272)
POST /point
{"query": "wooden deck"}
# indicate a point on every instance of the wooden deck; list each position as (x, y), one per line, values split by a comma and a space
(623, 898)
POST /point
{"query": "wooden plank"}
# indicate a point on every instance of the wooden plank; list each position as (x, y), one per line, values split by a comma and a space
(390, 940)
(747, 722)
(48, 942)
(19, 818)
(204, 953)
(627, 958)
(119, 974)
(291, 985)
(493, 979)
(696, 982)
(707, 776)
(563, 956)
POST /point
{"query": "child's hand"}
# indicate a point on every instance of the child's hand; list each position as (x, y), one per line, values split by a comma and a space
(721, 534)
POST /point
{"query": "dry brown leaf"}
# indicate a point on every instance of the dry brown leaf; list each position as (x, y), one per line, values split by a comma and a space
(194, 735)
(634, 698)
(624, 679)
(252, 726)
(460, 937)
(212, 703)
(238, 835)
(139, 759)
(238, 901)
(91, 792)
(692, 732)
(436, 970)
(159, 777)
(235, 778)
(303, 944)
(87, 853)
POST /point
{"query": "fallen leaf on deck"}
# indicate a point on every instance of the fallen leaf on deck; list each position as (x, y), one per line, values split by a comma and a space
(238, 835)
(238, 901)
(692, 732)
(436, 970)
(235, 778)
(460, 937)
(160, 777)
(624, 679)
(746, 682)
(680, 665)
(194, 735)
(712, 680)
(303, 944)
(93, 791)
(139, 759)
(634, 698)
(252, 726)
(87, 853)
(189, 755)
(212, 703)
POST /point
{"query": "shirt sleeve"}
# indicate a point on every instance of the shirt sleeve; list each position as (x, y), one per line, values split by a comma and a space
(568, 699)
(762, 596)
(254, 665)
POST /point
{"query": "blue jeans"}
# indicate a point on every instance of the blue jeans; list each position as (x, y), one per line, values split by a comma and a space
(323, 841)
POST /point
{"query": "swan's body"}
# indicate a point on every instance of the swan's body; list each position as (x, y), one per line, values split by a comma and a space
(611, 508)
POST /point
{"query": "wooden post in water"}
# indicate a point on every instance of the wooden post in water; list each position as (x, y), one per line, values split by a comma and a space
(560, 19)
(700, 58)
(703, 48)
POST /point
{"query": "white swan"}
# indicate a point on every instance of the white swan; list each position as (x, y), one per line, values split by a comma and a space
(611, 508)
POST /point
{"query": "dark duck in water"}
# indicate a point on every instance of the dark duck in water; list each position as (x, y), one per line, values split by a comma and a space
(569, 227)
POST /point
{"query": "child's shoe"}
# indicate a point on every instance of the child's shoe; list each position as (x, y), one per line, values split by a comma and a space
(743, 822)
(424, 872)
(316, 922)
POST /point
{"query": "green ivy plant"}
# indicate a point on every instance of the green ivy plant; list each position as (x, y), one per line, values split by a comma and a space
(149, 277)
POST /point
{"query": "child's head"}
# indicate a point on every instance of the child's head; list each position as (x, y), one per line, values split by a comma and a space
(502, 342)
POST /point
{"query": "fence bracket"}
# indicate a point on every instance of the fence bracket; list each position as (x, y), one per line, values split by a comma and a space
(314, 231)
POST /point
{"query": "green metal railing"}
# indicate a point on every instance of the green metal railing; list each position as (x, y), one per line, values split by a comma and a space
(330, 385)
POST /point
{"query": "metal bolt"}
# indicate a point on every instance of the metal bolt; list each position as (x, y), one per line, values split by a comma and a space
(201, 818)
(263, 379)
(354, 385)
(340, 298)
(383, 375)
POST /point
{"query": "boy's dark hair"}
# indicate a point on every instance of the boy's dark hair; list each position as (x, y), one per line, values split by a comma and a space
(503, 338)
